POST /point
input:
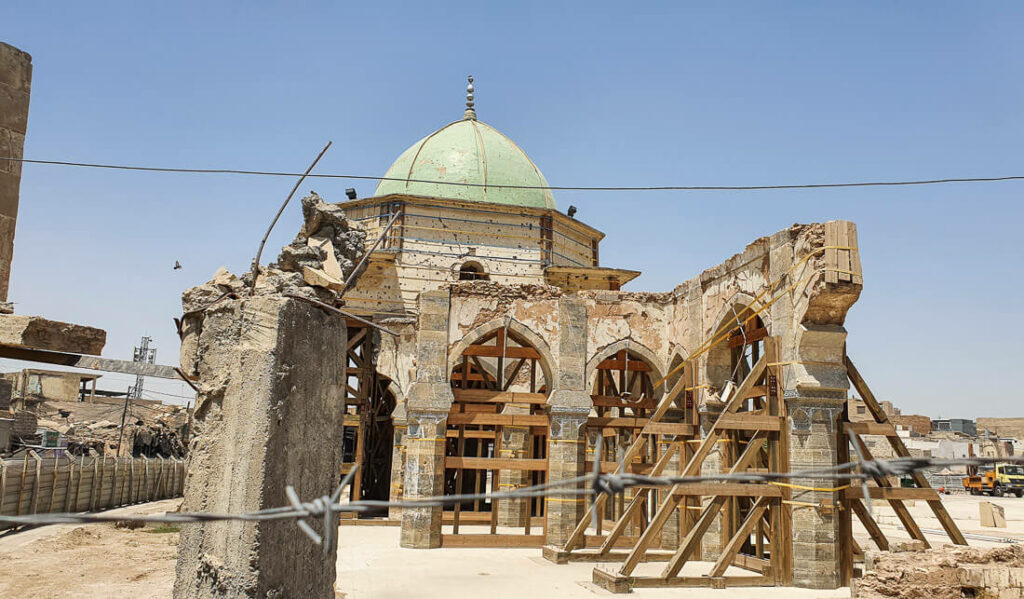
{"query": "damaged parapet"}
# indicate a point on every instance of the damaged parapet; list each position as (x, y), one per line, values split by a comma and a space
(269, 413)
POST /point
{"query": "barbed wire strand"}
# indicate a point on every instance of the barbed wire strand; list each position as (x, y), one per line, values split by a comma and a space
(328, 507)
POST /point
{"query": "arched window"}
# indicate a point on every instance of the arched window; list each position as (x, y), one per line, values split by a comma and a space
(472, 271)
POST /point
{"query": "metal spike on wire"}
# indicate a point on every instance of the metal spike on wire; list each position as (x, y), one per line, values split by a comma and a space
(328, 507)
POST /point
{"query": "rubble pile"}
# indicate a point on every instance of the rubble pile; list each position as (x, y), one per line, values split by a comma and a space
(94, 428)
(911, 572)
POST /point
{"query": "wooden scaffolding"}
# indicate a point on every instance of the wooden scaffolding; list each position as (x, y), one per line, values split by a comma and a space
(368, 435)
(750, 434)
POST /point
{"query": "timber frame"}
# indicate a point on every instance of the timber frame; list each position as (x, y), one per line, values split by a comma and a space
(755, 518)
(367, 423)
(496, 436)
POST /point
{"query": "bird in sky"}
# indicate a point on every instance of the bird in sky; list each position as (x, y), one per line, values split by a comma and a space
(177, 265)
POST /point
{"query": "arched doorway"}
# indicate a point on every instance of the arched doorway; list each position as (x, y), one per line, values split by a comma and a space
(622, 381)
(497, 439)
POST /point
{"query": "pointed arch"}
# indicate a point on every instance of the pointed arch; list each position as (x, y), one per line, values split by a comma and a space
(637, 349)
(515, 329)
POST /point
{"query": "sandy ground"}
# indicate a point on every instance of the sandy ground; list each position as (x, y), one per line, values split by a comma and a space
(103, 561)
(97, 560)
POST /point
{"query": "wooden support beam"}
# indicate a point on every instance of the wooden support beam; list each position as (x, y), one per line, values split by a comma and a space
(884, 429)
(901, 450)
(740, 538)
(692, 467)
(869, 523)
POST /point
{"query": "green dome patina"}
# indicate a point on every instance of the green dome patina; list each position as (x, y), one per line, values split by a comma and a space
(468, 151)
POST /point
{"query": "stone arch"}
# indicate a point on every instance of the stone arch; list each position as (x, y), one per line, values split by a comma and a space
(674, 369)
(740, 301)
(718, 360)
(516, 328)
(645, 353)
(471, 270)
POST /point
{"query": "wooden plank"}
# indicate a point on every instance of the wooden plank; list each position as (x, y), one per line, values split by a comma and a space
(500, 419)
(491, 396)
(843, 256)
(615, 364)
(3, 483)
(471, 463)
(869, 523)
(495, 540)
(858, 279)
(728, 489)
(669, 428)
(888, 493)
(750, 337)
(883, 429)
(831, 255)
(741, 421)
(492, 351)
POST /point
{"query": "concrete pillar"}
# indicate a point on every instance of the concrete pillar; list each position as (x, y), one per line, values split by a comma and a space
(711, 543)
(570, 405)
(15, 88)
(270, 385)
(430, 399)
(815, 396)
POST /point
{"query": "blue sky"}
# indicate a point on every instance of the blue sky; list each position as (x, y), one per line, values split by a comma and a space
(598, 93)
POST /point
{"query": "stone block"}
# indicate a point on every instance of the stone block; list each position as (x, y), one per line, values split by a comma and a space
(992, 515)
(39, 333)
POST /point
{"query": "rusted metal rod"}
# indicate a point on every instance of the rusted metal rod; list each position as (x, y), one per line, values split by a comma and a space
(259, 252)
(362, 262)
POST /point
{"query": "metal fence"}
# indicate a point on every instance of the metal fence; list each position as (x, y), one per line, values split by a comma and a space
(35, 485)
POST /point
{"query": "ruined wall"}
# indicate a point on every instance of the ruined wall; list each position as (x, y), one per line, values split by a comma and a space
(15, 88)
(1003, 427)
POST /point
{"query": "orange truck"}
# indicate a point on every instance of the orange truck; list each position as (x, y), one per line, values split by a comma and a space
(997, 481)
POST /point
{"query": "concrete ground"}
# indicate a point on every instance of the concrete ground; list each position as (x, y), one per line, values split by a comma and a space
(103, 561)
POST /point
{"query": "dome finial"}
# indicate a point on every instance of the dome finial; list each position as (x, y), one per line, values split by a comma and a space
(470, 111)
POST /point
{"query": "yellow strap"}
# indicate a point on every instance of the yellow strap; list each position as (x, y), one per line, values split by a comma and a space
(803, 488)
(565, 499)
(578, 441)
(815, 362)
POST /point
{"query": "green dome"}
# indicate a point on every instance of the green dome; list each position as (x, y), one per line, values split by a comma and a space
(468, 151)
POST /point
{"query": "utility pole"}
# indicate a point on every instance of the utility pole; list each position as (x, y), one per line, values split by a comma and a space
(143, 353)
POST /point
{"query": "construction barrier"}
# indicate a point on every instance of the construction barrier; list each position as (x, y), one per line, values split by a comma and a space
(35, 485)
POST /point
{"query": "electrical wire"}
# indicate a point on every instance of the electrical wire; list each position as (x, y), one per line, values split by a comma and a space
(227, 171)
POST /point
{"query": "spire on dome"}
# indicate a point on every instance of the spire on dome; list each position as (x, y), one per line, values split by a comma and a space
(470, 111)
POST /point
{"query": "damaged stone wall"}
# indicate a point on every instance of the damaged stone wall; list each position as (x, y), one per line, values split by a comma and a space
(910, 572)
(784, 278)
(15, 89)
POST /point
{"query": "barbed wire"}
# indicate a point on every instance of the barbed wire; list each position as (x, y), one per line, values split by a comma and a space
(591, 485)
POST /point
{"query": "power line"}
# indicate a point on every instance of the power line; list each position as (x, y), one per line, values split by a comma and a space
(225, 171)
